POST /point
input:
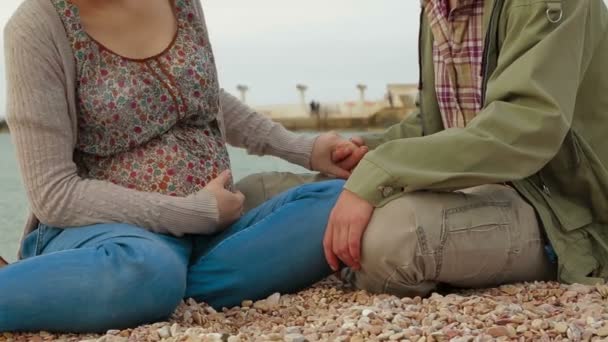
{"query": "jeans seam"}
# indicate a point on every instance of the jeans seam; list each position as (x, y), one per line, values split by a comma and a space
(511, 253)
(423, 249)
(422, 241)
(477, 205)
(507, 215)
(390, 277)
(423, 246)
(39, 240)
(265, 194)
(443, 238)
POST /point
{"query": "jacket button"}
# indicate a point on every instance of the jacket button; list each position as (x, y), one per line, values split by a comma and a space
(386, 191)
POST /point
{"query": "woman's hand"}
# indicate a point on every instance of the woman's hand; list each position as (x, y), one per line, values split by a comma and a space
(229, 204)
(335, 155)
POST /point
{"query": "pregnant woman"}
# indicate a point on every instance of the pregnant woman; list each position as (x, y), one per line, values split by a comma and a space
(121, 129)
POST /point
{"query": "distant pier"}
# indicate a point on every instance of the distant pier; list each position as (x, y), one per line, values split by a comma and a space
(361, 114)
(381, 119)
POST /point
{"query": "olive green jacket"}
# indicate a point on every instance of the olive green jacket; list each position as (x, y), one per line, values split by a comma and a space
(542, 128)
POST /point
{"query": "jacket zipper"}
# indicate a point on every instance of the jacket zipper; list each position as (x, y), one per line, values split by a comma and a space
(495, 16)
(420, 84)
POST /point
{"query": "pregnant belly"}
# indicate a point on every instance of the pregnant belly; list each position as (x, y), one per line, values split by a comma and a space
(178, 163)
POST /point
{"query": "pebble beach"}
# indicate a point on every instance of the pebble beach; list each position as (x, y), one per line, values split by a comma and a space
(330, 311)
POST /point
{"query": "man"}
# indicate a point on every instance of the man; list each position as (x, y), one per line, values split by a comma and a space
(504, 166)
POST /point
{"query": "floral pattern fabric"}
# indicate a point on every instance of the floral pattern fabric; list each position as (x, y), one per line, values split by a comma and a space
(148, 124)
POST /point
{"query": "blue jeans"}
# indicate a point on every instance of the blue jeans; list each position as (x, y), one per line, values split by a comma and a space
(114, 276)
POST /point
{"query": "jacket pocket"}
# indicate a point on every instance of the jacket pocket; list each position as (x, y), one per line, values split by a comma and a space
(566, 183)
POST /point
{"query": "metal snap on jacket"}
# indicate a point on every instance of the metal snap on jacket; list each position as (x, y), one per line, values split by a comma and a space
(386, 191)
(555, 12)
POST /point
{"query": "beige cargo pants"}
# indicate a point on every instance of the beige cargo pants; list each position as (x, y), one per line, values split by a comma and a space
(478, 237)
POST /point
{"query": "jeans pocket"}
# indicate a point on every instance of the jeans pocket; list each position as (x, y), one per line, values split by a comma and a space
(477, 243)
(32, 244)
(35, 242)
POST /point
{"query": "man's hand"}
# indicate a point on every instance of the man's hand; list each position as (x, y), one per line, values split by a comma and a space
(348, 154)
(229, 204)
(347, 223)
(336, 156)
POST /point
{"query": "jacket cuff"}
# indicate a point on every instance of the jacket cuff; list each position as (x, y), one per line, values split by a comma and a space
(373, 140)
(373, 184)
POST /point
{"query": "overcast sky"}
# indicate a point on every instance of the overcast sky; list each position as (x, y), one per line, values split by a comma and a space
(330, 45)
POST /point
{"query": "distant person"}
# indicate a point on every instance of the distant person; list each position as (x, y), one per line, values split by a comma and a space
(502, 176)
(389, 96)
(313, 108)
(121, 142)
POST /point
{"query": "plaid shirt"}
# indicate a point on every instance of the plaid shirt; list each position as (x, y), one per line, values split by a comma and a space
(457, 56)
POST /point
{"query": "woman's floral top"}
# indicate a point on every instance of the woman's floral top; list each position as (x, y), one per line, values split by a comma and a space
(148, 124)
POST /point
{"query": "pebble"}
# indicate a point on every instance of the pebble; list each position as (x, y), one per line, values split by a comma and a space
(174, 330)
(375, 329)
(187, 316)
(561, 327)
(273, 300)
(274, 337)
(602, 290)
(603, 331)
(574, 333)
(261, 305)
(164, 332)
(295, 338)
(215, 337)
(537, 323)
(498, 331)
(510, 289)
(197, 318)
(330, 327)
(512, 332)
(193, 339)
(397, 336)
(368, 313)
(247, 303)
(349, 326)
(582, 289)
(112, 338)
(293, 330)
